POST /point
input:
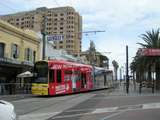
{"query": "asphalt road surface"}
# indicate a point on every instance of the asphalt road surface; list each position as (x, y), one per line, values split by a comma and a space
(98, 105)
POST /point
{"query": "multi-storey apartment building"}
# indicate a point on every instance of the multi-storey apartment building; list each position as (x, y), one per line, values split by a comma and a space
(59, 21)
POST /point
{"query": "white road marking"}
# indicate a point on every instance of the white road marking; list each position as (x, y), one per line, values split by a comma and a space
(118, 110)
(112, 115)
(151, 106)
(103, 110)
(38, 116)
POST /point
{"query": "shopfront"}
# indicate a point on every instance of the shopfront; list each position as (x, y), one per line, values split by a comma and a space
(9, 82)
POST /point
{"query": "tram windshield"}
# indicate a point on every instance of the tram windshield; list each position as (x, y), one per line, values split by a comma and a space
(41, 71)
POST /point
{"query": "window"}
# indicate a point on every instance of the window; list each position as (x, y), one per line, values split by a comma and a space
(59, 80)
(61, 42)
(62, 18)
(51, 76)
(34, 56)
(61, 14)
(55, 15)
(68, 72)
(68, 46)
(41, 69)
(2, 46)
(14, 51)
(60, 47)
(71, 41)
(55, 19)
(49, 19)
(29, 55)
(61, 28)
(83, 80)
(49, 14)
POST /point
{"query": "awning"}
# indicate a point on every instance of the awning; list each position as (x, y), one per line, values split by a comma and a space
(25, 74)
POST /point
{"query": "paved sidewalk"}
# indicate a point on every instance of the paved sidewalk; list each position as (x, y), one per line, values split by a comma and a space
(133, 90)
(120, 90)
(15, 97)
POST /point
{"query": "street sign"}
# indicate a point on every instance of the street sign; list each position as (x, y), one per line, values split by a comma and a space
(55, 37)
(149, 52)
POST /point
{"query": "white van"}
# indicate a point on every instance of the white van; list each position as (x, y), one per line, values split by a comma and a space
(7, 111)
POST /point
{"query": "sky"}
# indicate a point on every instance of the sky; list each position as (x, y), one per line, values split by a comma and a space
(122, 20)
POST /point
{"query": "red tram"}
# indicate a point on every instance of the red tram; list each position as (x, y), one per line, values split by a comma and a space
(54, 77)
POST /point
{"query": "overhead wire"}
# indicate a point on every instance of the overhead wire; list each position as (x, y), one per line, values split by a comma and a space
(7, 6)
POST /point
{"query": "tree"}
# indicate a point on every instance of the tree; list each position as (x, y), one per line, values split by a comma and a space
(115, 65)
(92, 52)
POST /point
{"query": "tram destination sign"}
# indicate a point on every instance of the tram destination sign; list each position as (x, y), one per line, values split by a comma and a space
(55, 37)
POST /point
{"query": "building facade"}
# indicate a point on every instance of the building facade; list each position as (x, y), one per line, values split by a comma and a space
(63, 21)
(19, 50)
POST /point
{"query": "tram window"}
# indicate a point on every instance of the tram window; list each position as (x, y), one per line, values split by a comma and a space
(59, 80)
(68, 72)
(51, 76)
(85, 81)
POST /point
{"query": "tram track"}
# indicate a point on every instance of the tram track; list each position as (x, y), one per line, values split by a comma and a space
(42, 104)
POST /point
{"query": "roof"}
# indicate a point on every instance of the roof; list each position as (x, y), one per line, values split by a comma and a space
(69, 63)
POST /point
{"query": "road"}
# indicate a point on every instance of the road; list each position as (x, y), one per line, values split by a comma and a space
(98, 105)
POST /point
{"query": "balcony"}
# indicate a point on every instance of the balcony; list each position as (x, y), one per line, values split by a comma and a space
(10, 61)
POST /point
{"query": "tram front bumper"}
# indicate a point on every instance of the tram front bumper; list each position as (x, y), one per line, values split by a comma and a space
(39, 89)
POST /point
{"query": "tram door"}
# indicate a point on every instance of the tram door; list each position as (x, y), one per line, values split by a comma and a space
(59, 84)
(51, 81)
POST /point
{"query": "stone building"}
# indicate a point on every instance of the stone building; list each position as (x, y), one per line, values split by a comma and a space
(19, 49)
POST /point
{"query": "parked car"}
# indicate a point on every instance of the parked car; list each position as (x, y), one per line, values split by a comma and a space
(7, 111)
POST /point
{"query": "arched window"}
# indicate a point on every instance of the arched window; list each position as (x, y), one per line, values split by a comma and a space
(2, 48)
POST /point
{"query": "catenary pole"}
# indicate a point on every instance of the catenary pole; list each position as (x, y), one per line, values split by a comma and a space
(127, 76)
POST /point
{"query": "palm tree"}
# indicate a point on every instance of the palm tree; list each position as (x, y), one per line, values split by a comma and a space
(115, 65)
(152, 40)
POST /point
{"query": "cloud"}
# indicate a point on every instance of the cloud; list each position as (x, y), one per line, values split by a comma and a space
(123, 20)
